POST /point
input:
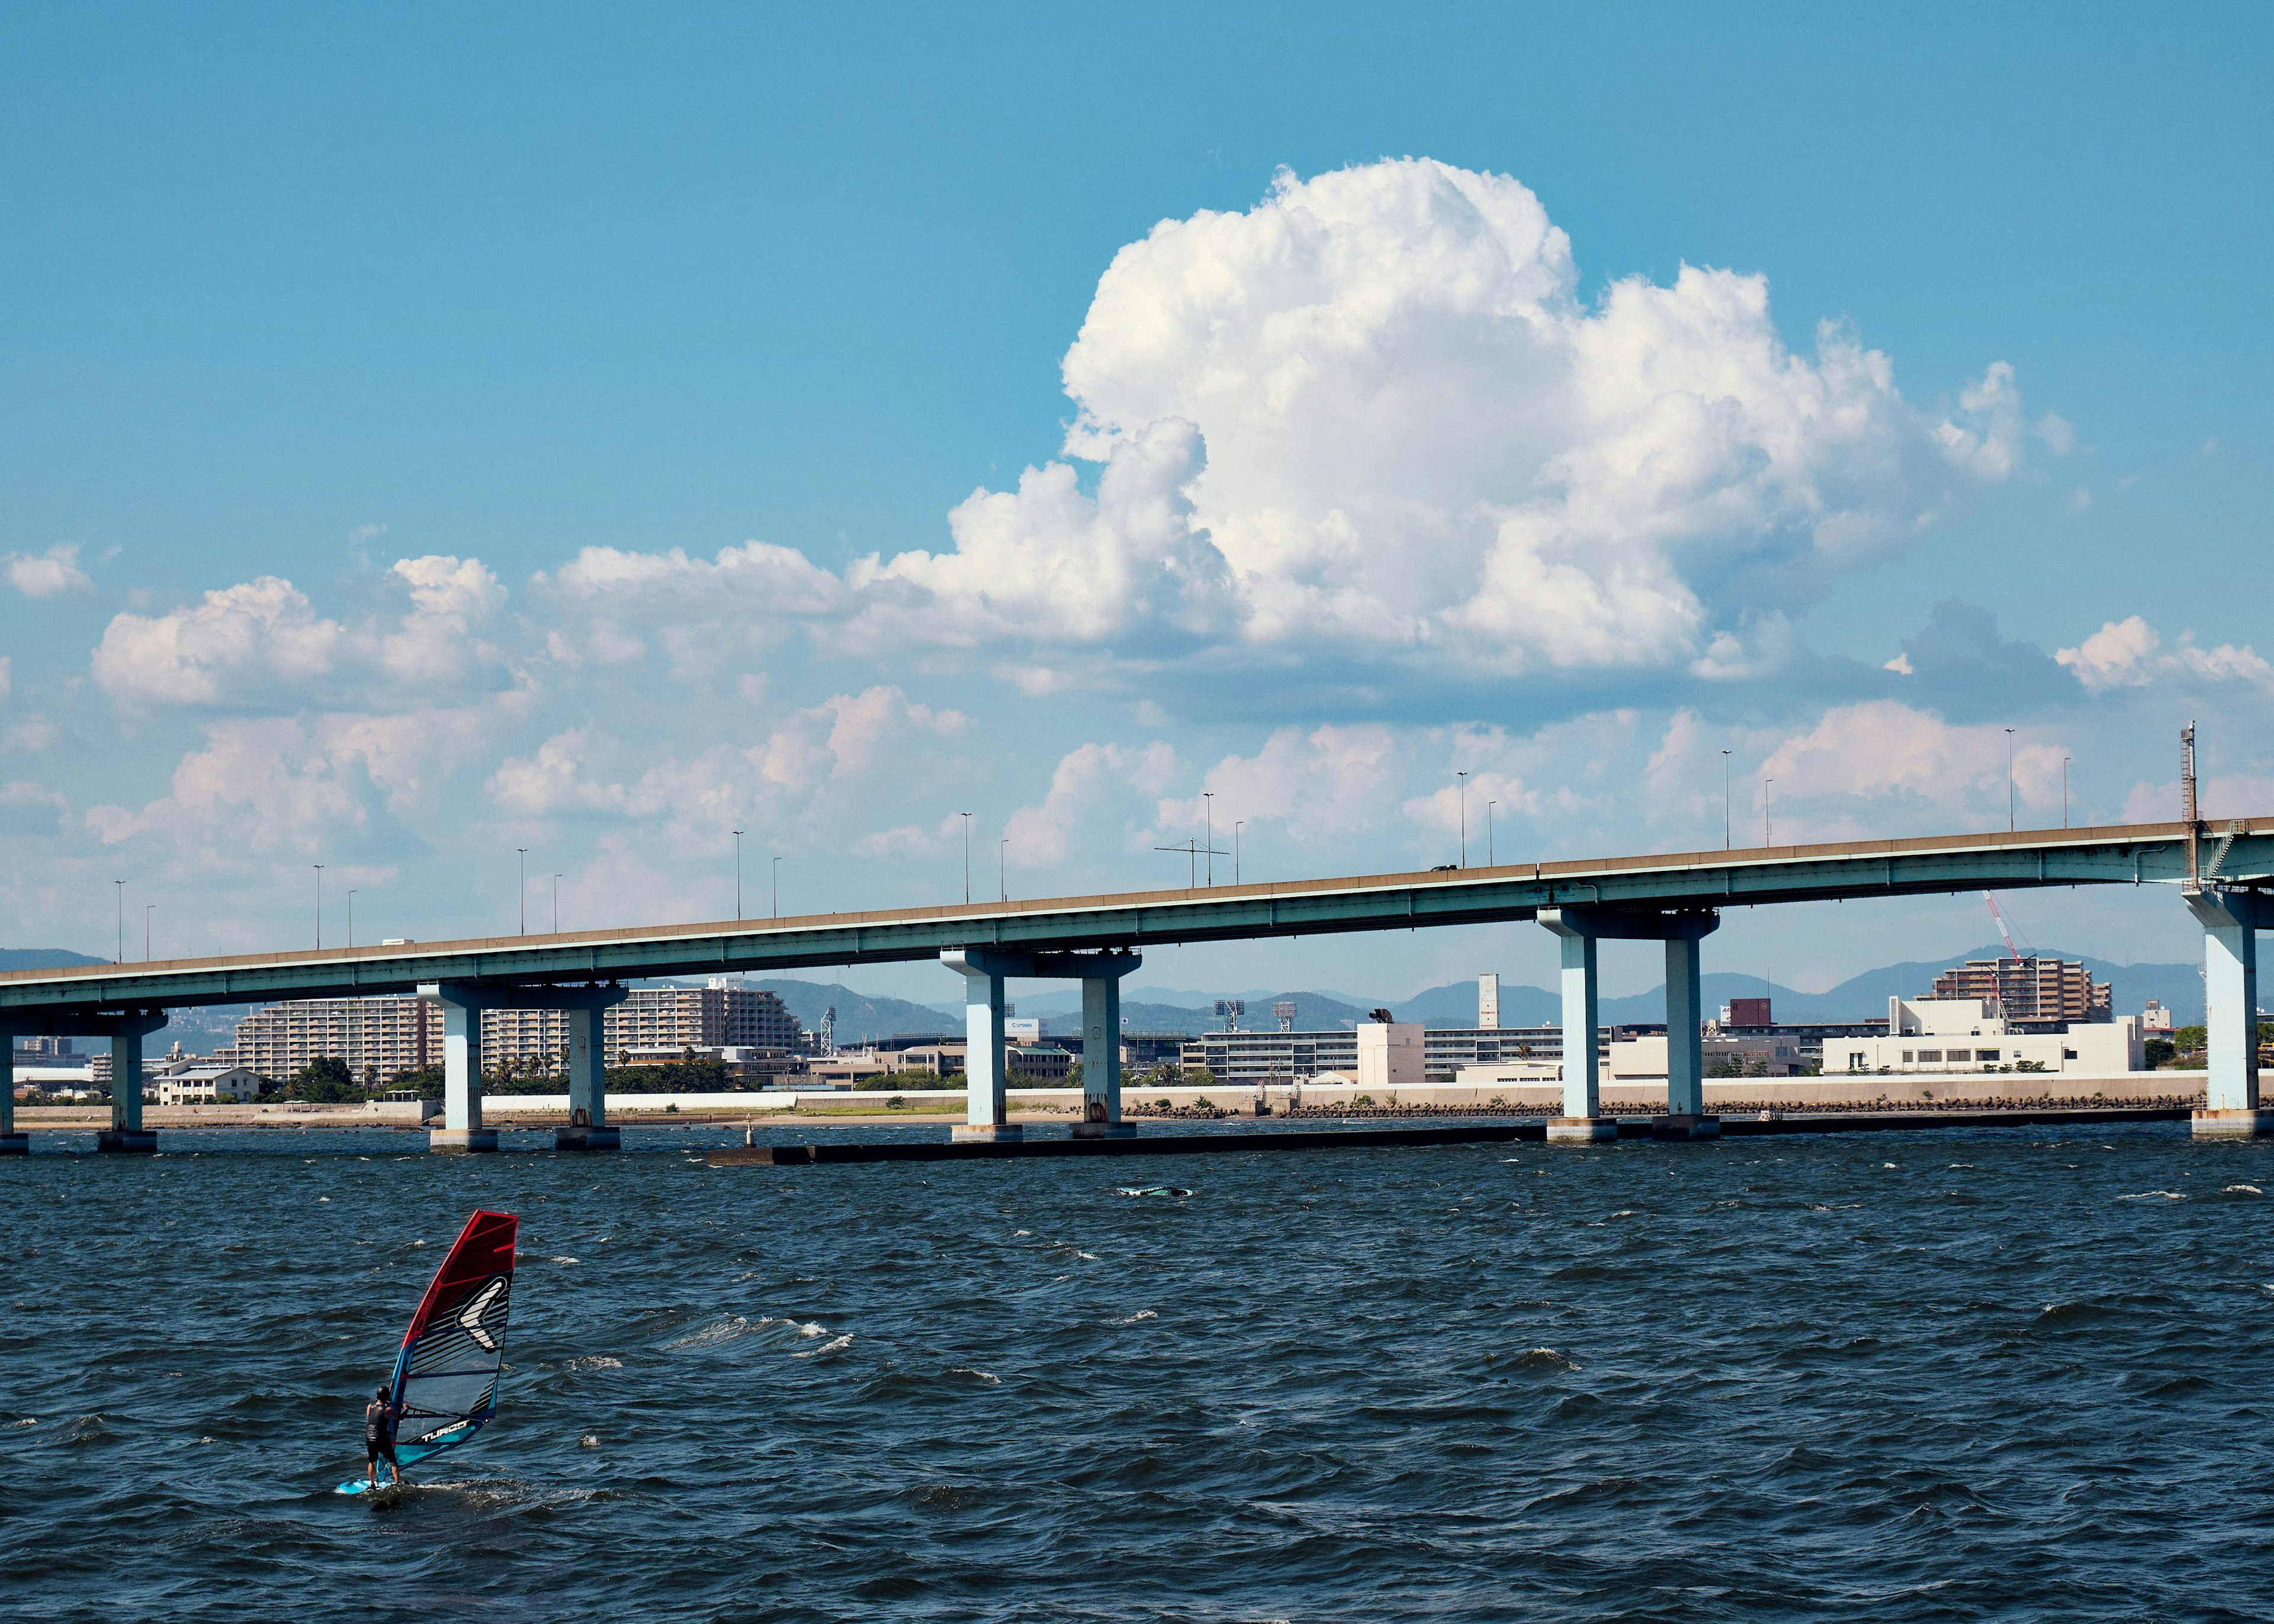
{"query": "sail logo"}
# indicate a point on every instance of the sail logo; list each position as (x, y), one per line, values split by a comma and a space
(470, 1317)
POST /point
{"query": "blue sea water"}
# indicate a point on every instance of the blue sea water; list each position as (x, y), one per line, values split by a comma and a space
(1947, 1375)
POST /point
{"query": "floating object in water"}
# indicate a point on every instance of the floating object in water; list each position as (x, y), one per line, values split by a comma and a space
(1149, 1189)
(446, 1376)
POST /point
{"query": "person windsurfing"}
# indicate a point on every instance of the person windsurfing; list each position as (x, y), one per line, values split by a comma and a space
(445, 1385)
(379, 1418)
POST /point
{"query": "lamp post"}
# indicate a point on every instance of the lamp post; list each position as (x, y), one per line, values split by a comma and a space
(556, 905)
(738, 874)
(319, 905)
(1725, 800)
(2009, 780)
(1765, 841)
(2065, 761)
(524, 888)
(1489, 805)
(351, 917)
(1238, 825)
(1207, 803)
(965, 817)
(122, 921)
(776, 888)
(1003, 869)
(146, 931)
(1463, 775)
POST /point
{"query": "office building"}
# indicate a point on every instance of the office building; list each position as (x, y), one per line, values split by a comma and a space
(2029, 992)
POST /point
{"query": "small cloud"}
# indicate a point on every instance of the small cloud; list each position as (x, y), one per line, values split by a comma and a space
(2079, 499)
(2057, 433)
(365, 532)
(49, 574)
(1900, 666)
(2209, 446)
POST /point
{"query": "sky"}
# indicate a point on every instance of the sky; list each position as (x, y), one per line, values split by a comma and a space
(431, 432)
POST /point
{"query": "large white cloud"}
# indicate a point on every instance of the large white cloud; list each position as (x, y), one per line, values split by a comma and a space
(1372, 412)
(264, 636)
(2130, 653)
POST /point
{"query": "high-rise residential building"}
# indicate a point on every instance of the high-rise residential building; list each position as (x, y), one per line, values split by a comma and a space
(2033, 991)
(380, 1037)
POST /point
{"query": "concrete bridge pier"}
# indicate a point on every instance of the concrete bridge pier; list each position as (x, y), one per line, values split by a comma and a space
(589, 1128)
(984, 970)
(126, 1132)
(1101, 1046)
(11, 1143)
(985, 1117)
(2231, 921)
(462, 1003)
(1579, 929)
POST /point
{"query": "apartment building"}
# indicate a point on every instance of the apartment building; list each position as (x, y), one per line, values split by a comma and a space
(379, 1038)
(2039, 992)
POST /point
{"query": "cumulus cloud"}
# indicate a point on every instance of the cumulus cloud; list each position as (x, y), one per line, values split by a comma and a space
(29, 809)
(2129, 653)
(1047, 562)
(301, 784)
(1328, 781)
(847, 737)
(266, 627)
(1881, 749)
(265, 637)
(1084, 787)
(49, 574)
(1373, 409)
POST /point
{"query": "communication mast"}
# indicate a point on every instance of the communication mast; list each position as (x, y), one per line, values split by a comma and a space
(2190, 814)
(1286, 1011)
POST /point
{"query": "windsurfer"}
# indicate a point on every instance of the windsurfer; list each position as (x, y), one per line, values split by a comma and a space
(379, 1418)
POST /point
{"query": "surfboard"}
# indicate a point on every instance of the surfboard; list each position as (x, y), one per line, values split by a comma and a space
(363, 1485)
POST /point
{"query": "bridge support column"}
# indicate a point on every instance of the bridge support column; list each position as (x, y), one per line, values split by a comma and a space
(1686, 1116)
(462, 1071)
(985, 1113)
(1100, 1050)
(1580, 927)
(462, 1003)
(11, 1143)
(2231, 921)
(588, 1126)
(1582, 1122)
(126, 1134)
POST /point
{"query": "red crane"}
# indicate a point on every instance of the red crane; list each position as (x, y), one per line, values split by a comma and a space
(1999, 915)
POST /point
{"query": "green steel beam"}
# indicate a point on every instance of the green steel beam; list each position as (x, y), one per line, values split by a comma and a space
(2136, 854)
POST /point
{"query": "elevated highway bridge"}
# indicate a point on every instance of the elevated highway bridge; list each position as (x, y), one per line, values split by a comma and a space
(2224, 871)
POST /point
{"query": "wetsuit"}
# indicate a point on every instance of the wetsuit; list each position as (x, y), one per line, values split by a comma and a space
(379, 1418)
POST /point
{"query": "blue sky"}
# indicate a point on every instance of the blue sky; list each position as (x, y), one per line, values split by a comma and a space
(449, 350)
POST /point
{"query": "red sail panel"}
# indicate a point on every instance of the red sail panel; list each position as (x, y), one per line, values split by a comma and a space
(446, 1376)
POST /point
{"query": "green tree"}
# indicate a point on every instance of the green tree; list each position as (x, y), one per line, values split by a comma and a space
(325, 1080)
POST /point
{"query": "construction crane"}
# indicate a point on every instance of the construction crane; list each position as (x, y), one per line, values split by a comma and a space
(1999, 915)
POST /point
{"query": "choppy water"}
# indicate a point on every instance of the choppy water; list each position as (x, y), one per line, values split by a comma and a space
(1899, 1376)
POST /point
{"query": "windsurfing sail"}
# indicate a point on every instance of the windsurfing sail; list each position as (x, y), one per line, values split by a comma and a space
(446, 1378)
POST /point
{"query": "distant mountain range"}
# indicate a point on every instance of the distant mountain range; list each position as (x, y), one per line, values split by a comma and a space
(43, 959)
(2179, 987)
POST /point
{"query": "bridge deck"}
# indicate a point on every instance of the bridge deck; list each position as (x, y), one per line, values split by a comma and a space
(2128, 854)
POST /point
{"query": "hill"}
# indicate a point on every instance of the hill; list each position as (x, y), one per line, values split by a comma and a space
(859, 1017)
(43, 959)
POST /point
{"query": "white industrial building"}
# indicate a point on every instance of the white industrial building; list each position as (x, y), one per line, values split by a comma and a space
(1968, 1034)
